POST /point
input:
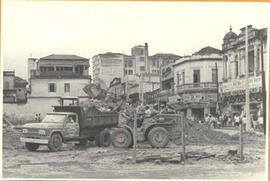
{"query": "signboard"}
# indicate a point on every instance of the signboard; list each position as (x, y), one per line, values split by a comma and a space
(199, 97)
(167, 72)
(239, 85)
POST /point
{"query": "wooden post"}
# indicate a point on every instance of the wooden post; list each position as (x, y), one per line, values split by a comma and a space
(183, 155)
(241, 141)
(134, 137)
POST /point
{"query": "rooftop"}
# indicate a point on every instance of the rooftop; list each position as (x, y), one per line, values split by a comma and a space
(111, 54)
(208, 51)
(63, 57)
(166, 56)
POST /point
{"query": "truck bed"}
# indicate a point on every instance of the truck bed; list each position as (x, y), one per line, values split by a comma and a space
(91, 117)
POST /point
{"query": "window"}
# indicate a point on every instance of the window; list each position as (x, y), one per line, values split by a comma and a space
(130, 63)
(250, 61)
(236, 69)
(126, 63)
(6, 85)
(125, 72)
(142, 59)
(52, 87)
(130, 72)
(178, 78)
(196, 76)
(258, 61)
(157, 63)
(67, 87)
(214, 75)
(183, 77)
(142, 68)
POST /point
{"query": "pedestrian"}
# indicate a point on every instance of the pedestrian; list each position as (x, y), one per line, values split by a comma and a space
(237, 119)
(36, 118)
(39, 118)
(225, 120)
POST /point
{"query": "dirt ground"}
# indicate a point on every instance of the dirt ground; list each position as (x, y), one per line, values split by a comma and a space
(95, 162)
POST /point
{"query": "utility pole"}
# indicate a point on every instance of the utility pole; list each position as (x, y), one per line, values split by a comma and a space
(217, 109)
(141, 81)
(247, 110)
(263, 83)
(135, 137)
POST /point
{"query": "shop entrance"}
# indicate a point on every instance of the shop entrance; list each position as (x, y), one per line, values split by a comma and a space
(198, 113)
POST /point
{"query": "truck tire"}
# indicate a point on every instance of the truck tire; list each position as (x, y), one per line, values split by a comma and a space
(105, 138)
(158, 137)
(121, 138)
(97, 140)
(31, 146)
(55, 142)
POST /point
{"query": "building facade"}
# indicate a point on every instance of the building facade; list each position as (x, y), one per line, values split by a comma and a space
(14, 88)
(107, 66)
(195, 81)
(58, 75)
(233, 87)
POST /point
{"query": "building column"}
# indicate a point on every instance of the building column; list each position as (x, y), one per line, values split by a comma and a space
(189, 112)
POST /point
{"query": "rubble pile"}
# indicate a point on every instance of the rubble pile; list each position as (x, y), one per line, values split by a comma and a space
(196, 133)
(11, 140)
(232, 157)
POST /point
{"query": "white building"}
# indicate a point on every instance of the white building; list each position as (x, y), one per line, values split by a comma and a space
(195, 81)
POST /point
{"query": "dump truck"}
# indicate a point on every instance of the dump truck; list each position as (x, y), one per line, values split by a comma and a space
(157, 130)
(70, 123)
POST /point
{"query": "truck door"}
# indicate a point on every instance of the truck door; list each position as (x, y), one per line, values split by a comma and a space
(72, 127)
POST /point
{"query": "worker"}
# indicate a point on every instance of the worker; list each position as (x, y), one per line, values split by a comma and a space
(237, 119)
(148, 111)
(71, 120)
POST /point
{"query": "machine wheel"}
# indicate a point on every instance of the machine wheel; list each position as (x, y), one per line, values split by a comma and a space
(158, 137)
(97, 140)
(31, 146)
(105, 138)
(121, 138)
(55, 142)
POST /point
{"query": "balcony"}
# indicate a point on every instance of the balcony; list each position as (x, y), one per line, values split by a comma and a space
(196, 87)
(58, 74)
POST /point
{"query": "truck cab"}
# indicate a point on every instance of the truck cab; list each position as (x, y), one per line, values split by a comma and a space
(54, 129)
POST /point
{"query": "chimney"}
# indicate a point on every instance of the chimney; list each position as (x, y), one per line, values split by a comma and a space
(147, 67)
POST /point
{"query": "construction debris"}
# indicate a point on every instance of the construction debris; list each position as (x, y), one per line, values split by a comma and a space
(232, 157)
(169, 158)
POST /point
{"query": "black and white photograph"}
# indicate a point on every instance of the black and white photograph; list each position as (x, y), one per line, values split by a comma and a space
(134, 90)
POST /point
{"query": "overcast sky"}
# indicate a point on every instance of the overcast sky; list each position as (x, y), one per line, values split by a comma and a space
(88, 28)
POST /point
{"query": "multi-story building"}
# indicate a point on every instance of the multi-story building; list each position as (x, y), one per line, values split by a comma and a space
(58, 75)
(108, 66)
(14, 88)
(233, 88)
(195, 81)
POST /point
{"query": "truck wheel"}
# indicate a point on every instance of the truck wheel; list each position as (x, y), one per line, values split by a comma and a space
(31, 146)
(55, 142)
(105, 138)
(158, 137)
(97, 140)
(121, 138)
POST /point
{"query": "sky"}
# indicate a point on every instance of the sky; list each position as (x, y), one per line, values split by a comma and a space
(37, 29)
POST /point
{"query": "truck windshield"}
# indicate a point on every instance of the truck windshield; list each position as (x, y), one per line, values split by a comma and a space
(53, 118)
